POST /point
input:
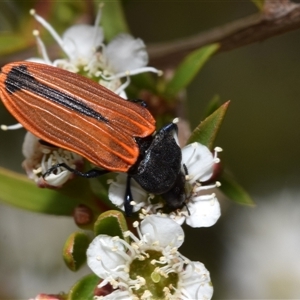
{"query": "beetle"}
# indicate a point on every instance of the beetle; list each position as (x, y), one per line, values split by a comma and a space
(116, 135)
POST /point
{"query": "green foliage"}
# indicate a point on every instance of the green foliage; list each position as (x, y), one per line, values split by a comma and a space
(206, 132)
(234, 191)
(74, 250)
(189, 68)
(84, 289)
(112, 223)
(28, 196)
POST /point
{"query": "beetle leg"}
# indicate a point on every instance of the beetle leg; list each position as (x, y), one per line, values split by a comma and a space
(89, 174)
(128, 198)
(185, 170)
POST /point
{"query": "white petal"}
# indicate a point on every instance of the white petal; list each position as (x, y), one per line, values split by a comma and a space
(59, 179)
(100, 257)
(199, 161)
(162, 229)
(203, 213)
(198, 284)
(117, 190)
(179, 219)
(81, 41)
(126, 53)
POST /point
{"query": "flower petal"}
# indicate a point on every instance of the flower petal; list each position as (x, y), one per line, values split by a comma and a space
(162, 229)
(126, 53)
(81, 41)
(204, 211)
(100, 255)
(57, 180)
(198, 284)
(199, 161)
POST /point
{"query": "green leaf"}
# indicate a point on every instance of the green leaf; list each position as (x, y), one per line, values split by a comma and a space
(234, 191)
(112, 223)
(206, 132)
(113, 20)
(17, 190)
(84, 289)
(74, 251)
(259, 4)
(189, 68)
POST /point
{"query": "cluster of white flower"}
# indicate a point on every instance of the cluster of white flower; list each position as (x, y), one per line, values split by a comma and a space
(149, 267)
(168, 275)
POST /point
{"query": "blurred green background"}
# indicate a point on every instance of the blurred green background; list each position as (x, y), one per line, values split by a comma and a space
(260, 138)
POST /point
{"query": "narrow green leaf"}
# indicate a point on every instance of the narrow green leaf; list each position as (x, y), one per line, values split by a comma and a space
(74, 251)
(17, 190)
(85, 288)
(112, 223)
(206, 132)
(234, 191)
(113, 19)
(259, 4)
(189, 68)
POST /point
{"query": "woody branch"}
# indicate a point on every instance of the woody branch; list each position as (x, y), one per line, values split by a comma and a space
(276, 17)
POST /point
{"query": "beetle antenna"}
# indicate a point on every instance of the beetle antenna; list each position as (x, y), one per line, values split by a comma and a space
(89, 174)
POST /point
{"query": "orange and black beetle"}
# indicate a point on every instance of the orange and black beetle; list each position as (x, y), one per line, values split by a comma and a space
(76, 113)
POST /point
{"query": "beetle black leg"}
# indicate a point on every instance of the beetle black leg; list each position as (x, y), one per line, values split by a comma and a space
(89, 174)
(185, 170)
(128, 198)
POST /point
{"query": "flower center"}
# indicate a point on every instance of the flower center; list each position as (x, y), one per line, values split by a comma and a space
(160, 284)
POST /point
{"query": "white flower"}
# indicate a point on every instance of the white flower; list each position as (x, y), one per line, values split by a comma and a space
(149, 266)
(124, 53)
(39, 158)
(201, 210)
(86, 53)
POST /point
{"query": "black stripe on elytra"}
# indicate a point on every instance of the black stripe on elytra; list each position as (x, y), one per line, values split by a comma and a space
(19, 78)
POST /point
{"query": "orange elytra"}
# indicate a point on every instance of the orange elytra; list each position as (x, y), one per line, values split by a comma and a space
(75, 113)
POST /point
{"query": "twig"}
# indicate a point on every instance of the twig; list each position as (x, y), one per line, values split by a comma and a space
(277, 17)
